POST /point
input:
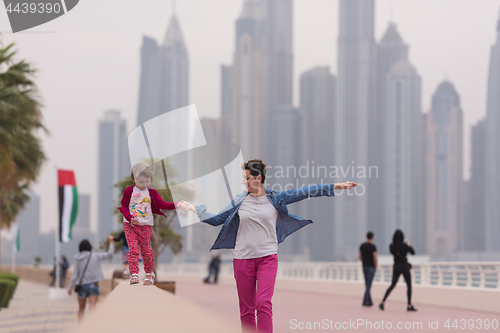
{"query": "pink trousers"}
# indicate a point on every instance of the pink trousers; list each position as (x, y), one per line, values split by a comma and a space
(139, 237)
(255, 279)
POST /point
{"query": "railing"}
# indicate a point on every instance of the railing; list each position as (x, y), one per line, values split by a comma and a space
(482, 275)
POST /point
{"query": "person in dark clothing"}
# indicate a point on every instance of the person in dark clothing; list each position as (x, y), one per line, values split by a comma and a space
(121, 237)
(368, 255)
(64, 269)
(213, 268)
(399, 249)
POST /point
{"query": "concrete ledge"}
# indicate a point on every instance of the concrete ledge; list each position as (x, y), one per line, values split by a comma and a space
(141, 308)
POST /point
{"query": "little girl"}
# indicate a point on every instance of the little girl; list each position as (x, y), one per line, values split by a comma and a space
(138, 205)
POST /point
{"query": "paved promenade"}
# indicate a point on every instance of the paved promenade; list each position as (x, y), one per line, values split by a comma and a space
(293, 310)
(31, 310)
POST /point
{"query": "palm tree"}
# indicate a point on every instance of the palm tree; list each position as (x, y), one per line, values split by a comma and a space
(21, 154)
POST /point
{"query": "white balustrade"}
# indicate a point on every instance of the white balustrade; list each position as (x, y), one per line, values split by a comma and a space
(482, 275)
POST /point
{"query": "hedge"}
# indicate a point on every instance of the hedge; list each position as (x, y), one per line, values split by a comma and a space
(9, 276)
(6, 291)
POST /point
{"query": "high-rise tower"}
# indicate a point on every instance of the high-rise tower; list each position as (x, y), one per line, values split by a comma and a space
(492, 180)
(355, 93)
(444, 180)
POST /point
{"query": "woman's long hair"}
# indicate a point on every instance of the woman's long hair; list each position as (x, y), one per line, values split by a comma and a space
(398, 237)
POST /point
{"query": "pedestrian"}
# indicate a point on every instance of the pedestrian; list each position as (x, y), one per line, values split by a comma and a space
(87, 274)
(213, 269)
(124, 249)
(368, 255)
(251, 229)
(399, 249)
(138, 205)
(64, 269)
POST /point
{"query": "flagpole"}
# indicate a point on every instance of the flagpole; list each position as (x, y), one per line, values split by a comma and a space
(57, 234)
(13, 262)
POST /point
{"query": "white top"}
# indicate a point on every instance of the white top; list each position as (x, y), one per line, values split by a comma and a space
(257, 231)
(140, 207)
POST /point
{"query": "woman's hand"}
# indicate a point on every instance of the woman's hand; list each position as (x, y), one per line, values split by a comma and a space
(186, 206)
(345, 186)
(69, 291)
(110, 239)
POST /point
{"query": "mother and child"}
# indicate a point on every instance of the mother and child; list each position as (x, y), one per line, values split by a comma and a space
(253, 225)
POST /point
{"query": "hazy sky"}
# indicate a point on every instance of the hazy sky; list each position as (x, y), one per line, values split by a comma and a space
(88, 62)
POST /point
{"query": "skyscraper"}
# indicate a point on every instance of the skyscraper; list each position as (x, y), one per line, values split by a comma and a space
(355, 101)
(164, 83)
(261, 76)
(390, 51)
(249, 83)
(444, 171)
(492, 175)
(277, 36)
(474, 233)
(317, 107)
(226, 102)
(114, 166)
(402, 141)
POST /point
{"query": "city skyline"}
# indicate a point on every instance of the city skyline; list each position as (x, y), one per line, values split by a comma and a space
(295, 81)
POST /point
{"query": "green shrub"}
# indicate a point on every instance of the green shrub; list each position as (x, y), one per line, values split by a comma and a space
(6, 292)
(10, 276)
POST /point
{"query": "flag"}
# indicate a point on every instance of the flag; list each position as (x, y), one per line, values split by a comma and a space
(68, 203)
(16, 246)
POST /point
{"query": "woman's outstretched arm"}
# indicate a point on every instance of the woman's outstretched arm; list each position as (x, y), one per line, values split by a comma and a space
(204, 215)
(313, 191)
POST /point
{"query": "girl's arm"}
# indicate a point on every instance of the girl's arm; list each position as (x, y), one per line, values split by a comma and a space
(106, 255)
(163, 204)
(313, 191)
(124, 205)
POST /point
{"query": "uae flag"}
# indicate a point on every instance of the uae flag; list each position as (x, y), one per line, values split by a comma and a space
(68, 203)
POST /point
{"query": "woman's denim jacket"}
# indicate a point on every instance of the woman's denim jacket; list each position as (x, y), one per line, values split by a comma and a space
(286, 223)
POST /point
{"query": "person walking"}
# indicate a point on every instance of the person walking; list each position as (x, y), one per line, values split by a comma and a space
(213, 269)
(87, 274)
(64, 269)
(368, 255)
(399, 249)
(254, 223)
(124, 249)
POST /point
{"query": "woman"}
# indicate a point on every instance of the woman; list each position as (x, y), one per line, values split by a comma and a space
(125, 249)
(88, 273)
(254, 223)
(399, 249)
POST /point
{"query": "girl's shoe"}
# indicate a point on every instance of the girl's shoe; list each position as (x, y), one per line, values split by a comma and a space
(411, 308)
(381, 306)
(150, 279)
(134, 279)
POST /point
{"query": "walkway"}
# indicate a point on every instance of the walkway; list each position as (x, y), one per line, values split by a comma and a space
(293, 310)
(31, 310)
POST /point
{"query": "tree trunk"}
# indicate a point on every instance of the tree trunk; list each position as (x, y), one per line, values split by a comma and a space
(156, 250)
(0, 232)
